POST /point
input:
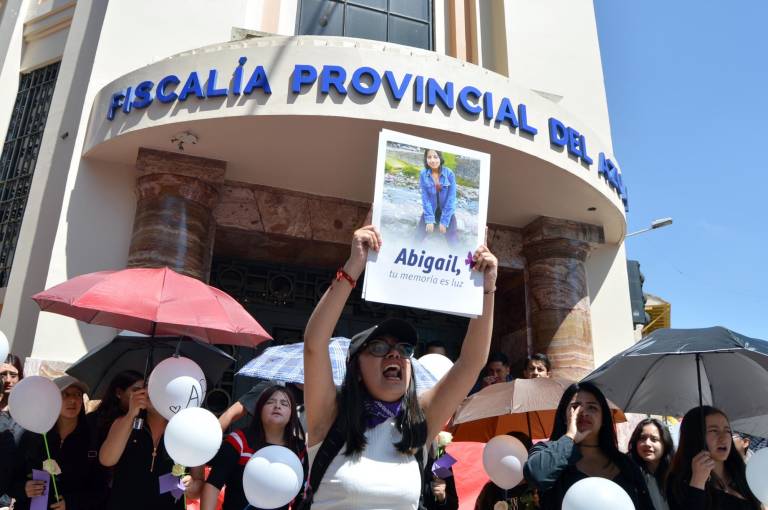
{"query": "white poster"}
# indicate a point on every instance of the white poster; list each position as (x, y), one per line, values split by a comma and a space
(430, 205)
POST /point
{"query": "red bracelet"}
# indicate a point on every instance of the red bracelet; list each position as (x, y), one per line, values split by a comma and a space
(340, 273)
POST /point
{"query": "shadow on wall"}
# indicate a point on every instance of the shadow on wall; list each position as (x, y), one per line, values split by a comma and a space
(99, 225)
(599, 264)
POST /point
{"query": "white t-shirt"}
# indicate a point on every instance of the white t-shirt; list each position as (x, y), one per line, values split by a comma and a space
(381, 478)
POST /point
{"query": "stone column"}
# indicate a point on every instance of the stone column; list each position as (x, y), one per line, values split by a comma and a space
(174, 224)
(555, 251)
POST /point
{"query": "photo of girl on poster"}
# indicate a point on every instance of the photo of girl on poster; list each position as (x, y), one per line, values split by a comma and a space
(430, 204)
(437, 184)
(430, 196)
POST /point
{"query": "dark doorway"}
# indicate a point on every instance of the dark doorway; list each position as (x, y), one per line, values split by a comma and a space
(281, 297)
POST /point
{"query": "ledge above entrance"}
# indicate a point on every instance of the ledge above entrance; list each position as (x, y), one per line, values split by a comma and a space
(303, 113)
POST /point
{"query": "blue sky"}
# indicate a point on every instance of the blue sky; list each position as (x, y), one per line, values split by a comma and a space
(687, 86)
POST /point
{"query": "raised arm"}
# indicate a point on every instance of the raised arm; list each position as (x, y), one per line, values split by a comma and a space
(319, 390)
(441, 401)
(120, 431)
(547, 461)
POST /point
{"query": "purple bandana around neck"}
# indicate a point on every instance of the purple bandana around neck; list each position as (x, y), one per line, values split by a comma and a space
(378, 411)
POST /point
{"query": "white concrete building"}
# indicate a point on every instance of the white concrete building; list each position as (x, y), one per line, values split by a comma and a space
(284, 101)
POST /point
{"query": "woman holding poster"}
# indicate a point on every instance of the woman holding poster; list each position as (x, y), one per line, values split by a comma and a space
(366, 442)
(438, 198)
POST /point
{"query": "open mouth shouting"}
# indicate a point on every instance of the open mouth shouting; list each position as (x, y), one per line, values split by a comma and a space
(393, 372)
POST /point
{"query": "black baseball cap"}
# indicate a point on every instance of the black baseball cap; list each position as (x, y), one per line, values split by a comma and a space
(396, 328)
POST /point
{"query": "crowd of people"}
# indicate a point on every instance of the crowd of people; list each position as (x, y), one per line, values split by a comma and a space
(371, 443)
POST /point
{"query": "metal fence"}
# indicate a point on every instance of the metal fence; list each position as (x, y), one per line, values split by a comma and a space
(20, 150)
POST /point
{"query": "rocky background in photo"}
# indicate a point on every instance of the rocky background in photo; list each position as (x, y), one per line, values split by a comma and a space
(402, 199)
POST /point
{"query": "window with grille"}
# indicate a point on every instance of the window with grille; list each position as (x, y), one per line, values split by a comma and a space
(407, 22)
(17, 162)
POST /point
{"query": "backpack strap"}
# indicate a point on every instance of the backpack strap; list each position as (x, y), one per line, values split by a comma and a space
(419, 455)
(331, 446)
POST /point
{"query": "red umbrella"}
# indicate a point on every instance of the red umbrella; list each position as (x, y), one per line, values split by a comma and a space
(157, 302)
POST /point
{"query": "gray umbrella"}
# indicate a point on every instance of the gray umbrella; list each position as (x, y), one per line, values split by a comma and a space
(673, 370)
(131, 351)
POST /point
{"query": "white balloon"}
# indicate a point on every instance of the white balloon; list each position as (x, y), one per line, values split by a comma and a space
(757, 474)
(503, 461)
(436, 364)
(273, 477)
(35, 403)
(192, 437)
(4, 347)
(596, 493)
(176, 384)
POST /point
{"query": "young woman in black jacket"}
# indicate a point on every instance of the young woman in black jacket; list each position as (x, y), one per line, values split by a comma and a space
(707, 472)
(651, 449)
(82, 484)
(583, 444)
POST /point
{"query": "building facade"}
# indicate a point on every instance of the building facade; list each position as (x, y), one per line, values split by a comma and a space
(236, 142)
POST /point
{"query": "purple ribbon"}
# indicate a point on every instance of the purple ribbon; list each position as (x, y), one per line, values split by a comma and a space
(469, 260)
(40, 502)
(441, 468)
(378, 411)
(172, 484)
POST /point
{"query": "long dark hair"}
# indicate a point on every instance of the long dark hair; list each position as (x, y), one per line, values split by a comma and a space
(606, 438)
(109, 409)
(666, 458)
(14, 360)
(351, 408)
(439, 155)
(293, 434)
(692, 442)
(11, 359)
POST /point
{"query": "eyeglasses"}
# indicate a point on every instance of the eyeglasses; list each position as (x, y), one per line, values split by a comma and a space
(9, 374)
(381, 348)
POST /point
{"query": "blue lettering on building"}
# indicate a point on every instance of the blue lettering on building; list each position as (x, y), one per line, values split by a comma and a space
(608, 170)
(366, 81)
(561, 135)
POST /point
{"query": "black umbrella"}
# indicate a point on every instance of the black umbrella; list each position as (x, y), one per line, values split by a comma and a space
(673, 370)
(130, 351)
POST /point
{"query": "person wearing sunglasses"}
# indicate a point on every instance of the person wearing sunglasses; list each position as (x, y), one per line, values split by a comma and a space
(366, 443)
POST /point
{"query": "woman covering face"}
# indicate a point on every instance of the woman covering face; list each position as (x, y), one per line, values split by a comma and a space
(707, 472)
(583, 445)
(138, 457)
(116, 401)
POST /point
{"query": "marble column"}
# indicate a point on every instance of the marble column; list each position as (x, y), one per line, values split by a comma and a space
(174, 224)
(555, 251)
